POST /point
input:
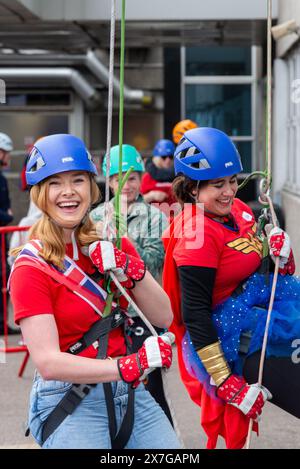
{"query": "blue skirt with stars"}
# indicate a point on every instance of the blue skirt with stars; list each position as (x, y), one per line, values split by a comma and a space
(247, 313)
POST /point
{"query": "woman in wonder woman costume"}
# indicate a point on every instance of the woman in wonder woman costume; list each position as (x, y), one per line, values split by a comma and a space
(220, 298)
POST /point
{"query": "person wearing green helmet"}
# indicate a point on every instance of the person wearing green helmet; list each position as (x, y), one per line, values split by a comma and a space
(144, 223)
(144, 226)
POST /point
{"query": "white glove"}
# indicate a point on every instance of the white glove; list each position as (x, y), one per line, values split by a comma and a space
(280, 246)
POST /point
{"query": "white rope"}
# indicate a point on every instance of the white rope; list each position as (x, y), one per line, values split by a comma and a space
(133, 304)
(269, 92)
(266, 198)
(110, 105)
(164, 371)
(108, 147)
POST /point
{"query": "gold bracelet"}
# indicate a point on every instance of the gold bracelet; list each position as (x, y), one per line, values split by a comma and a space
(214, 362)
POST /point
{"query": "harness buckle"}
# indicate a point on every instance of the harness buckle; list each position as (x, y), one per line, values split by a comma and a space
(139, 331)
(81, 390)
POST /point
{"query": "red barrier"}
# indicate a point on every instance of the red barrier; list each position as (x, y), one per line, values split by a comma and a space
(20, 348)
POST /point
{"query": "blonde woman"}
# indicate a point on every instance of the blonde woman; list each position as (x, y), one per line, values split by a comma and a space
(58, 294)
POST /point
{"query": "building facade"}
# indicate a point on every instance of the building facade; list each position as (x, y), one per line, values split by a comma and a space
(204, 61)
(286, 122)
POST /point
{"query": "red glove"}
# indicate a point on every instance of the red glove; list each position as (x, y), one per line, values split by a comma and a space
(248, 398)
(156, 352)
(280, 246)
(128, 269)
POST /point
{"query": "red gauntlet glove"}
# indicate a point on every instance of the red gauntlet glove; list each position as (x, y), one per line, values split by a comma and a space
(156, 352)
(128, 269)
(280, 246)
(248, 398)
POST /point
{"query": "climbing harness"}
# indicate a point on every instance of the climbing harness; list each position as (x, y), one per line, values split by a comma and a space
(98, 332)
(83, 285)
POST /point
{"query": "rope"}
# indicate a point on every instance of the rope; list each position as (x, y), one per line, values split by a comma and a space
(109, 299)
(266, 333)
(110, 98)
(269, 93)
(265, 199)
(122, 181)
(121, 122)
(164, 371)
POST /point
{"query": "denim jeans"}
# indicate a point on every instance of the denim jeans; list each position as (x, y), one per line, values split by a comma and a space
(87, 427)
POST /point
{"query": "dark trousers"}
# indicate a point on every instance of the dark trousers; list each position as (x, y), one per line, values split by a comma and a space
(281, 377)
(139, 333)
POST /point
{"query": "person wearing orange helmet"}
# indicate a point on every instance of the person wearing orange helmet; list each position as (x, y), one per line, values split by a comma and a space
(181, 127)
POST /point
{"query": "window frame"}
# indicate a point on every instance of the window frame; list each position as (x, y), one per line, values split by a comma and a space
(230, 80)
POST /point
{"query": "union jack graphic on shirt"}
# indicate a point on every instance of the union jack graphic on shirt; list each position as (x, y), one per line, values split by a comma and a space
(72, 276)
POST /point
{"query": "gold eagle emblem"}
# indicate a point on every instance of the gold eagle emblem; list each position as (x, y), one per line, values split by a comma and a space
(248, 245)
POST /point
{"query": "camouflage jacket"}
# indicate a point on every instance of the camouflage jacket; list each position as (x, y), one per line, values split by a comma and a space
(145, 225)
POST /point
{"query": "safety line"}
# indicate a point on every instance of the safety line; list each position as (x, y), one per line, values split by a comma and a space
(110, 98)
(268, 200)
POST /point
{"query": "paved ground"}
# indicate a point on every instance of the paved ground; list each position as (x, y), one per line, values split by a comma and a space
(278, 429)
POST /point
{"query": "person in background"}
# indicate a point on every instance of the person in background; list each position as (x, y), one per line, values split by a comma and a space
(152, 189)
(181, 127)
(6, 146)
(167, 174)
(6, 215)
(145, 225)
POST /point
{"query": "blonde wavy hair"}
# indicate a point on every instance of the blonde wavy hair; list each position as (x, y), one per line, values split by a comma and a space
(50, 234)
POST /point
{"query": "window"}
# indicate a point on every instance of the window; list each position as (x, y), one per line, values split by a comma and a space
(205, 61)
(226, 107)
(38, 99)
(219, 90)
(23, 127)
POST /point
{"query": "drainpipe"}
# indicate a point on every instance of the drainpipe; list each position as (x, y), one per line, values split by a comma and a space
(102, 73)
(89, 95)
(92, 62)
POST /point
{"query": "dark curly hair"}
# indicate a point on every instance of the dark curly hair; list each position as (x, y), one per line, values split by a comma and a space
(183, 188)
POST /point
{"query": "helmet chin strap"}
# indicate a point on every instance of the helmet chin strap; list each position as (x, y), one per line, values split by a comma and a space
(74, 246)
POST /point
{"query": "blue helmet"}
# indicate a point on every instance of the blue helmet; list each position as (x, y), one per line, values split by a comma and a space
(164, 148)
(56, 154)
(206, 153)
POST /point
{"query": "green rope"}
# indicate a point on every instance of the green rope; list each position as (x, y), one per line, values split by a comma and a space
(254, 174)
(121, 124)
(117, 200)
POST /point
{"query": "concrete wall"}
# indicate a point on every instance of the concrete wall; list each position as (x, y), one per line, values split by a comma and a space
(156, 10)
(281, 96)
(287, 10)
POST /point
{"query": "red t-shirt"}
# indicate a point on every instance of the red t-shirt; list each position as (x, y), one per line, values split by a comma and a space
(236, 254)
(149, 184)
(34, 292)
(194, 239)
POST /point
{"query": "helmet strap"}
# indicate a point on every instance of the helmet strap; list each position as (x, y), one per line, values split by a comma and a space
(195, 196)
(74, 246)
